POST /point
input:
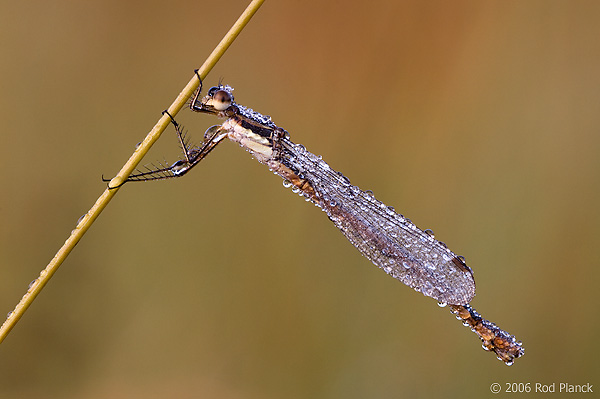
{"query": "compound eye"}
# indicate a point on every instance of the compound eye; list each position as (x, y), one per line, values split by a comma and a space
(213, 90)
(221, 99)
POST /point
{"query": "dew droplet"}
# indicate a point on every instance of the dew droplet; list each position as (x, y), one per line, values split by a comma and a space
(429, 232)
(442, 304)
(287, 183)
(81, 218)
(345, 180)
(428, 288)
(138, 145)
(312, 157)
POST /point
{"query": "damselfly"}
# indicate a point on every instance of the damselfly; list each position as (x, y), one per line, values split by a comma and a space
(388, 239)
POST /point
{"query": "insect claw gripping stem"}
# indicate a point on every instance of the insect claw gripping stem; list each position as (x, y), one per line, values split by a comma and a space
(180, 136)
(173, 121)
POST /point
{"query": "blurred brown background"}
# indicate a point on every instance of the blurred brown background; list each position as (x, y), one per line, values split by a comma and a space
(476, 119)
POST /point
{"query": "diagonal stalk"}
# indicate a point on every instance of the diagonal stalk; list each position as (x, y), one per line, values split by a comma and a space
(86, 222)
